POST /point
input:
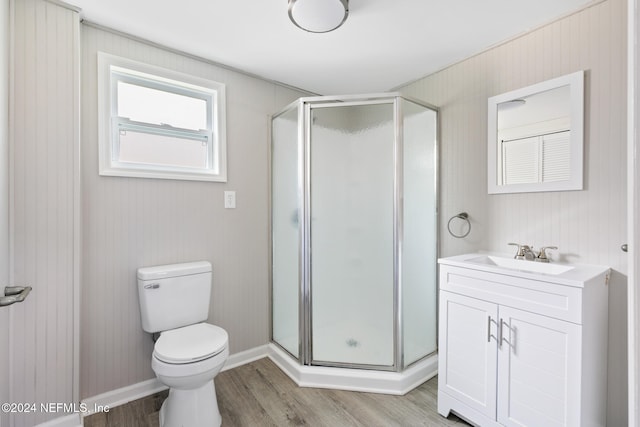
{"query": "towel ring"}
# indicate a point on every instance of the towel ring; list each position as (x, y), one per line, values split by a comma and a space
(463, 216)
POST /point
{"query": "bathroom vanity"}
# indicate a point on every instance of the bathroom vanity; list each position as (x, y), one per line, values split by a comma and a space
(522, 343)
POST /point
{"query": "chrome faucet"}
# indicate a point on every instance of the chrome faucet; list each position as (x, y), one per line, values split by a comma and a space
(519, 254)
(526, 252)
(523, 252)
(542, 255)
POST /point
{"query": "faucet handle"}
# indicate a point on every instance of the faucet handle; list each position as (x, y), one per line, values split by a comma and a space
(519, 252)
(542, 256)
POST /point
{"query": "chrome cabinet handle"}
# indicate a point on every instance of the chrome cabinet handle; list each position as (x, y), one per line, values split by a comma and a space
(625, 248)
(501, 337)
(490, 320)
(14, 294)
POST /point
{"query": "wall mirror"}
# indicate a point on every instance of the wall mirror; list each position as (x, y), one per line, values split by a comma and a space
(535, 137)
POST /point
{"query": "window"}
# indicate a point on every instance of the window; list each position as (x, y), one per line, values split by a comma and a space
(157, 123)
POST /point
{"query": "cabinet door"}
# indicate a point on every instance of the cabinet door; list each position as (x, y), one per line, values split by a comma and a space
(538, 370)
(467, 351)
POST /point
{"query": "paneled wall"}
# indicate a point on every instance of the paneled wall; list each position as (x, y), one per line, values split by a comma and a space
(44, 138)
(588, 226)
(4, 203)
(134, 222)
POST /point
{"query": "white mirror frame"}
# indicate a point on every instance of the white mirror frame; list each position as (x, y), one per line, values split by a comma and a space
(576, 83)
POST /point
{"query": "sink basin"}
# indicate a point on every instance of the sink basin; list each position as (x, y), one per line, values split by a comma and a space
(521, 265)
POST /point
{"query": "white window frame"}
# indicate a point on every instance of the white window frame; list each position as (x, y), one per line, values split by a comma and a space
(112, 69)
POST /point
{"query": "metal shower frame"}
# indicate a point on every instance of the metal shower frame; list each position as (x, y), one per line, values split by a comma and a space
(304, 107)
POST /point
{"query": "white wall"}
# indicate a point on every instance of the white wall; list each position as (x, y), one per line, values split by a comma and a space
(4, 203)
(134, 222)
(45, 132)
(588, 226)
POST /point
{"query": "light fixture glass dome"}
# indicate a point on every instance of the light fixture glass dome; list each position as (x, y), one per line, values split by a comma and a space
(318, 16)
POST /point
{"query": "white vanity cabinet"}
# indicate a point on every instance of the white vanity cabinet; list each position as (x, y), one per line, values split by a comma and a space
(519, 348)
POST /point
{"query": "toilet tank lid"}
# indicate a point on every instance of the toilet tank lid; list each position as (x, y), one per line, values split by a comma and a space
(173, 270)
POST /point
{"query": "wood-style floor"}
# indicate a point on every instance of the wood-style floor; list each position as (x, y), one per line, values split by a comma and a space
(260, 394)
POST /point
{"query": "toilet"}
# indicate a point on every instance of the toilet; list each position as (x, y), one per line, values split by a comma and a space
(189, 353)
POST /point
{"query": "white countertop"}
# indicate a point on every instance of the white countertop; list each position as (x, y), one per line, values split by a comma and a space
(575, 274)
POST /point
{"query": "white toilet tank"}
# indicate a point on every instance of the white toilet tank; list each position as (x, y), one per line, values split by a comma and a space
(174, 295)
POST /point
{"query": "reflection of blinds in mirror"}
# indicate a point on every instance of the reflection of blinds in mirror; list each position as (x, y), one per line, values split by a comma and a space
(555, 157)
(536, 159)
(520, 159)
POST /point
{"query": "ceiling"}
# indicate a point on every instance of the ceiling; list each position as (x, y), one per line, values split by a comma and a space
(382, 45)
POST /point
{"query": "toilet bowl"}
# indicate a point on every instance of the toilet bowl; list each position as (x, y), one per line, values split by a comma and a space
(189, 353)
(186, 360)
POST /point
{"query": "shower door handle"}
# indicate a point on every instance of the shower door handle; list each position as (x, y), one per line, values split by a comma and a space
(14, 294)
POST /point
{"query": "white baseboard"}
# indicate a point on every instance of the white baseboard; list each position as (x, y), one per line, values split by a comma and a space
(247, 356)
(142, 389)
(73, 420)
(113, 398)
(370, 381)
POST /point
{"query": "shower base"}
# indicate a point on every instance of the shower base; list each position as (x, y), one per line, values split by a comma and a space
(364, 380)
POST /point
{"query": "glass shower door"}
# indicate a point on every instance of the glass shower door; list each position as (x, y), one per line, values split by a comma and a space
(351, 182)
(285, 158)
(419, 231)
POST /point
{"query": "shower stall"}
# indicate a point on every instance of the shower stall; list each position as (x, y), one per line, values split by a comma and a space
(354, 242)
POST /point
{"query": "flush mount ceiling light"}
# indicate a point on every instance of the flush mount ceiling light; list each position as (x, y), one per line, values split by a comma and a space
(318, 16)
(510, 105)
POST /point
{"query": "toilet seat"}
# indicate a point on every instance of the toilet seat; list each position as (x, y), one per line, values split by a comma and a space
(190, 344)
